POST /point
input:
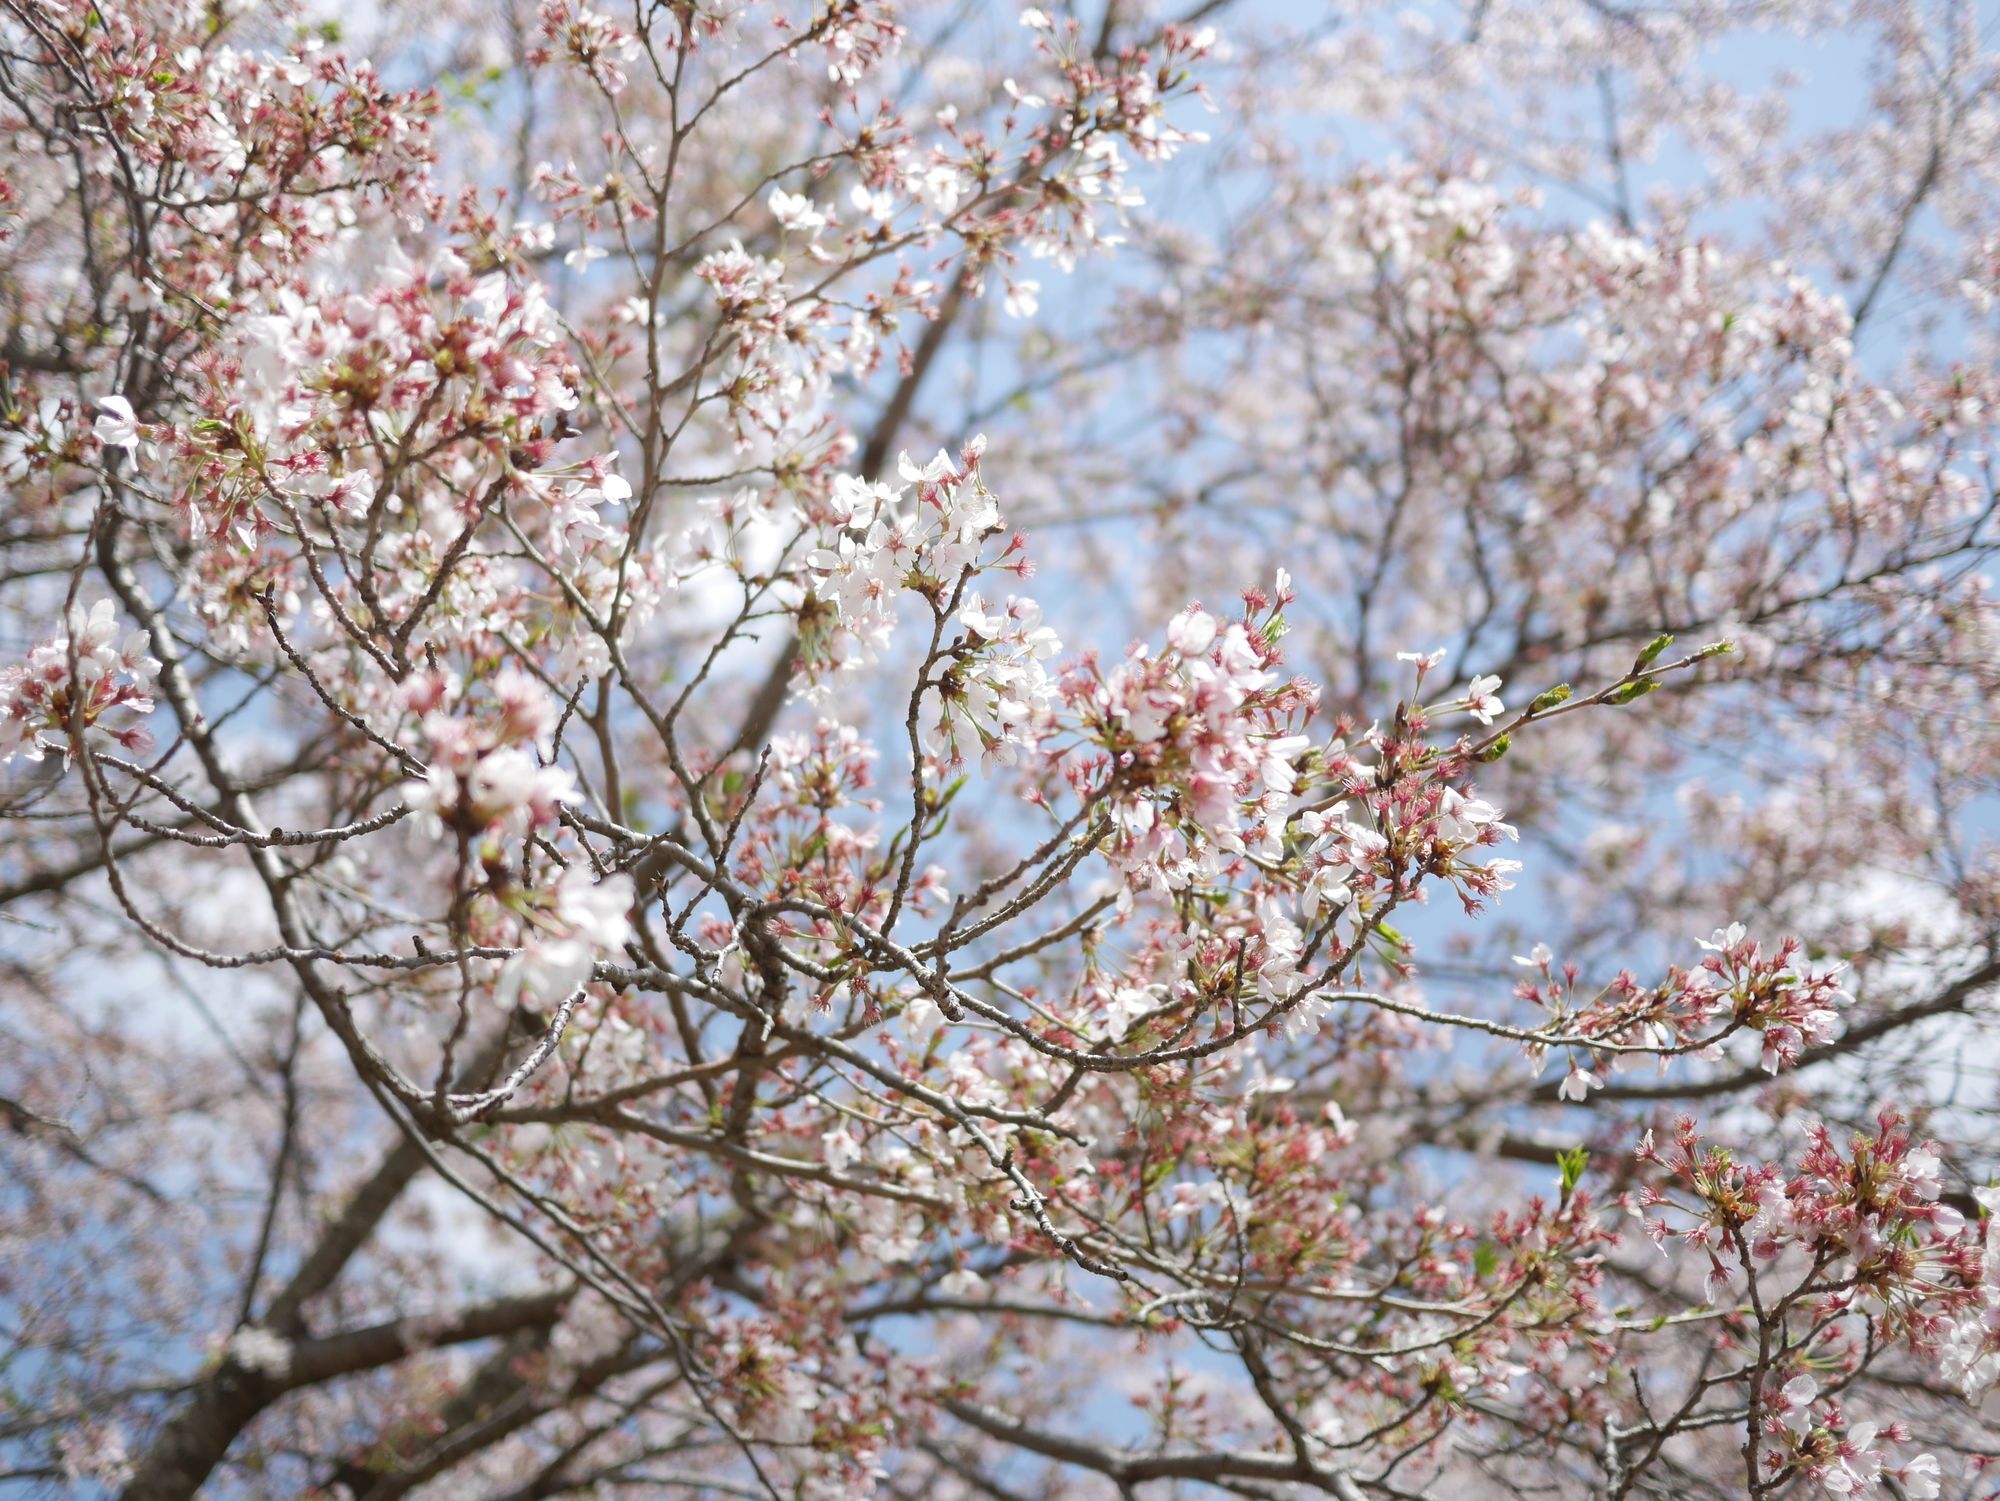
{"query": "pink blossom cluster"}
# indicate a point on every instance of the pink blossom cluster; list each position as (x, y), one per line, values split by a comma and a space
(1970, 1355)
(1819, 1441)
(72, 682)
(1738, 986)
(486, 780)
(614, 795)
(1814, 1248)
(1874, 1209)
(1195, 746)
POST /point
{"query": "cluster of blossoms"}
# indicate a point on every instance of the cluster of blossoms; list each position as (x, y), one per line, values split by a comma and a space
(33, 439)
(487, 785)
(902, 1057)
(1195, 746)
(1738, 985)
(1816, 1440)
(816, 783)
(264, 119)
(475, 354)
(1200, 756)
(587, 39)
(1128, 98)
(36, 439)
(1843, 1235)
(566, 929)
(781, 348)
(1413, 819)
(879, 544)
(858, 39)
(1423, 825)
(1971, 1349)
(286, 471)
(1860, 1230)
(996, 683)
(485, 780)
(258, 1350)
(72, 681)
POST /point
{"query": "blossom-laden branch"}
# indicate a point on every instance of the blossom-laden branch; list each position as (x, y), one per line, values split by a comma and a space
(583, 919)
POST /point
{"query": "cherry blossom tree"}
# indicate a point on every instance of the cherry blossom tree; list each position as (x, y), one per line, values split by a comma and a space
(809, 748)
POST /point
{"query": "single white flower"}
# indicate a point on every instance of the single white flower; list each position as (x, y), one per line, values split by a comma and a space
(1722, 940)
(938, 468)
(117, 425)
(1482, 701)
(1797, 1397)
(1578, 1083)
(795, 211)
(1192, 633)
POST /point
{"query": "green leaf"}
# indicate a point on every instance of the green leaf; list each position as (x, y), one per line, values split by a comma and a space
(1652, 652)
(1630, 691)
(1571, 1165)
(1556, 695)
(1496, 750)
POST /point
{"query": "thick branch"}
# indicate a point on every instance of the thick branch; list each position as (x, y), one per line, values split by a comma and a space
(195, 1440)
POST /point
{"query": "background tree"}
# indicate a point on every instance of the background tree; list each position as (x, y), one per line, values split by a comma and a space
(572, 930)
